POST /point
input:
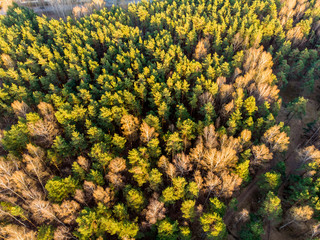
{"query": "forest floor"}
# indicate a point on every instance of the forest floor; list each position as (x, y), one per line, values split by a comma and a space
(249, 196)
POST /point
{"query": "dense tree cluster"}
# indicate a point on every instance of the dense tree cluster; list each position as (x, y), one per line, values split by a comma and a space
(144, 123)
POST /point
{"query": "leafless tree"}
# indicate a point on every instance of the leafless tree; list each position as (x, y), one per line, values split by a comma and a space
(25, 185)
(117, 165)
(42, 211)
(201, 49)
(198, 179)
(80, 196)
(230, 183)
(298, 215)
(68, 211)
(182, 163)
(103, 195)
(155, 210)
(309, 154)
(84, 163)
(35, 163)
(62, 233)
(129, 126)
(210, 136)
(261, 154)
(6, 59)
(20, 108)
(212, 184)
(196, 154)
(147, 132)
(278, 140)
(15, 232)
(45, 131)
(242, 216)
(116, 179)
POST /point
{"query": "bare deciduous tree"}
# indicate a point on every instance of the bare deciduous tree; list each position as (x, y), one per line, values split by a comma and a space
(243, 215)
(67, 211)
(15, 232)
(196, 154)
(35, 163)
(198, 179)
(201, 49)
(80, 196)
(309, 154)
(42, 211)
(6, 59)
(230, 183)
(25, 185)
(155, 210)
(210, 136)
(20, 108)
(129, 126)
(261, 154)
(62, 233)
(116, 179)
(276, 139)
(84, 163)
(298, 215)
(117, 165)
(147, 132)
(212, 183)
(103, 195)
(45, 131)
(182, 163)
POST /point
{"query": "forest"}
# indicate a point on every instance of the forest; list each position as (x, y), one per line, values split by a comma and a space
(157, 120)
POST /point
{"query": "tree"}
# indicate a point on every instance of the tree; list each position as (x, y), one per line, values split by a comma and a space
(124, 116)
(13, 212)
(12, 232)
(187, 128)
(297, 108)
(271, 208)
(217, 206)
(105, 196)
(252, 230)
(155, 179)
(35, 163)
(62, 232)
(120, 211)
(176, 192)
(243, 216)
(250, 105)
